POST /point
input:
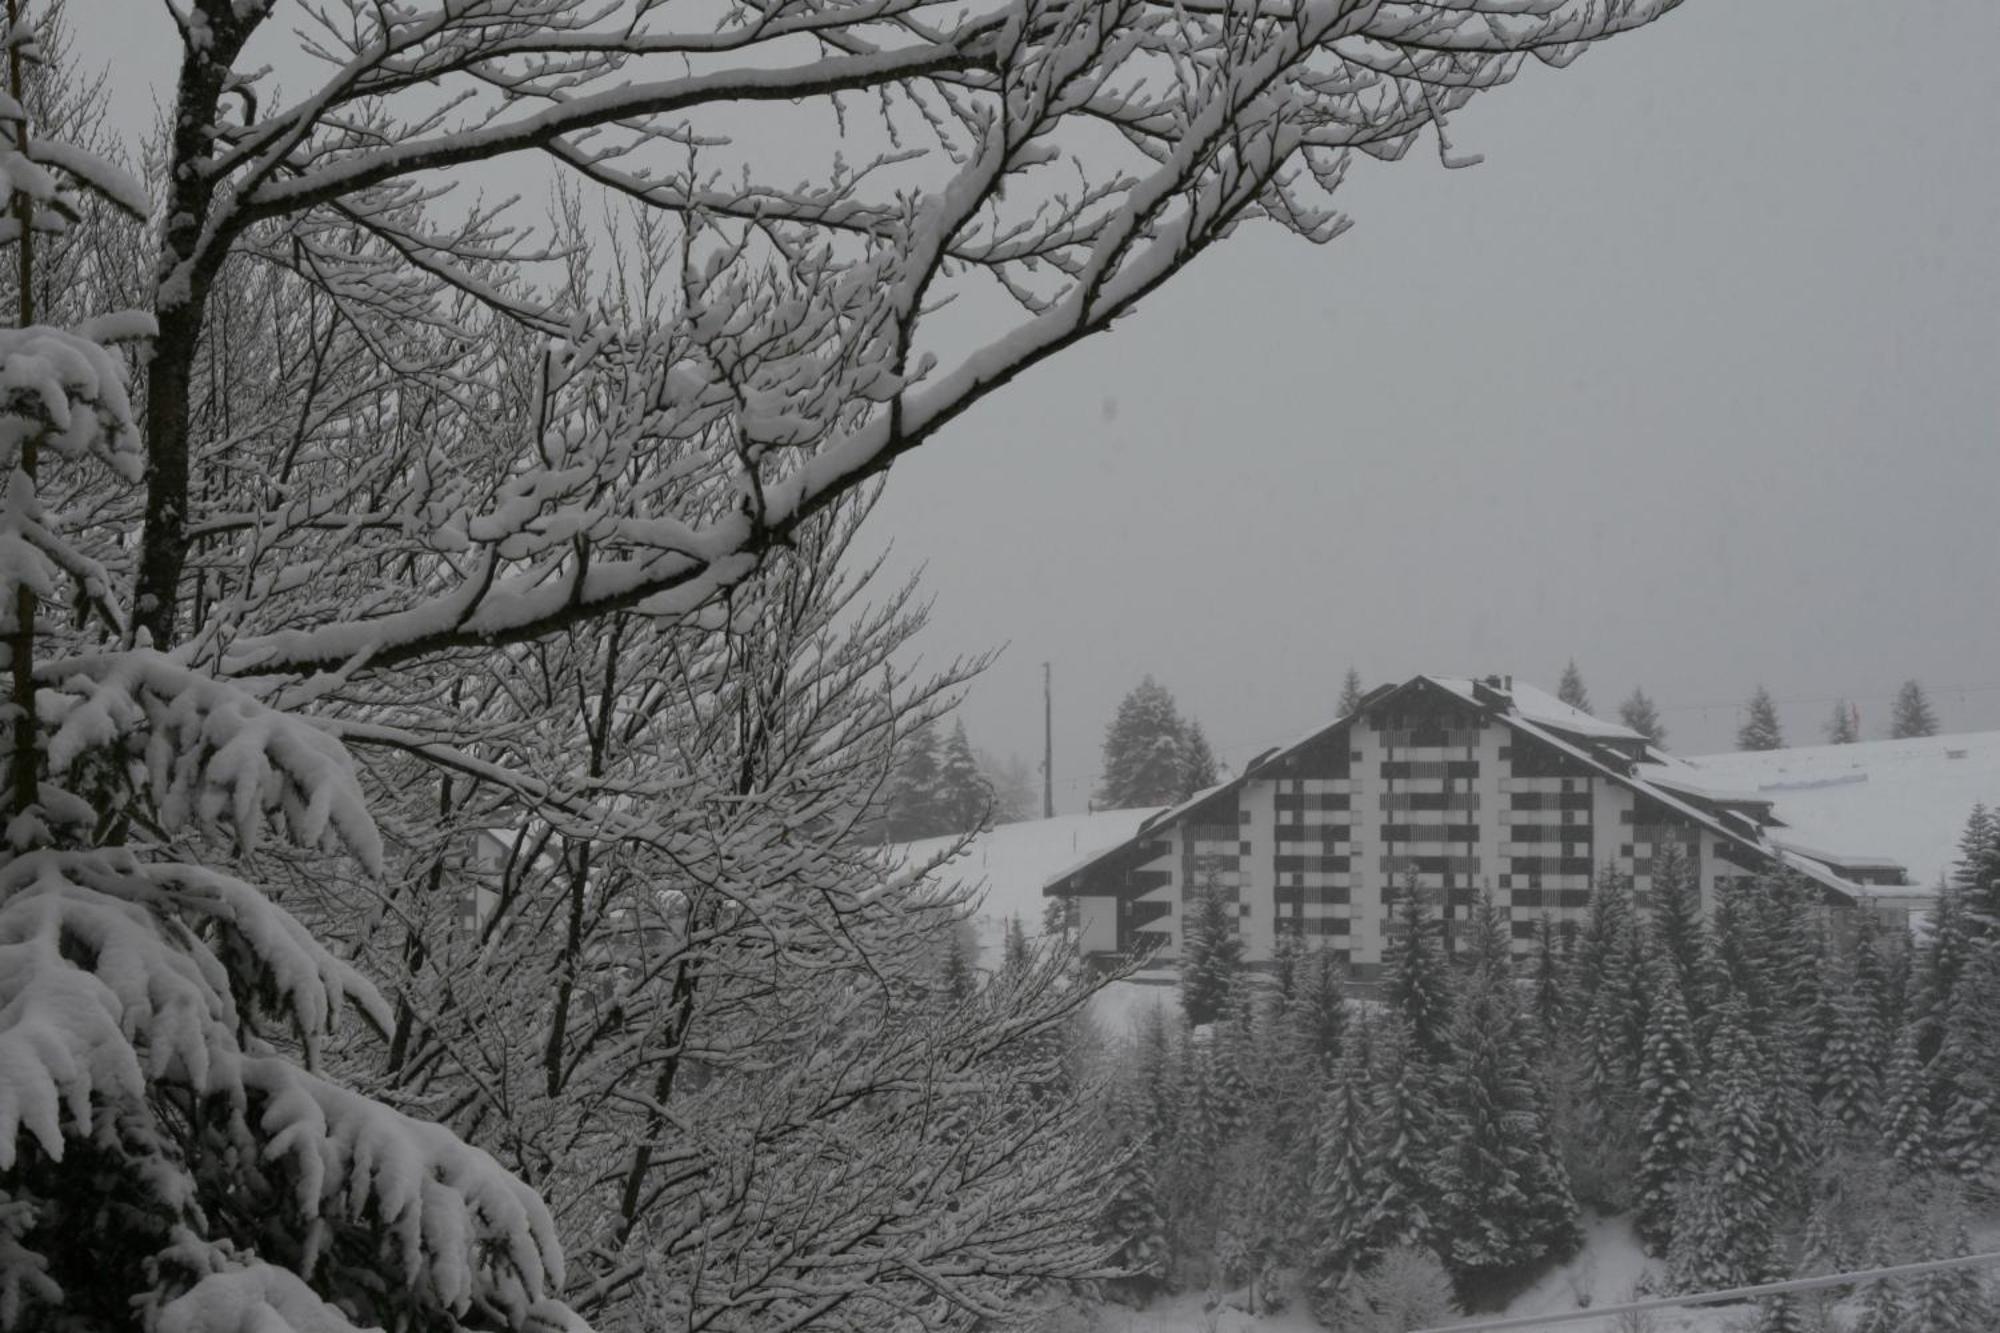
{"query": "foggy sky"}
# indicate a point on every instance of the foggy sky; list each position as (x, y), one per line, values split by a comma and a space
(1694, 380)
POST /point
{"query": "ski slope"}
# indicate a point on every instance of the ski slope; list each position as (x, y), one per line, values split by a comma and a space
(1906, 800)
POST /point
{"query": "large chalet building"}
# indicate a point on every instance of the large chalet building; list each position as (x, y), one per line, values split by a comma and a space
(1465, 784)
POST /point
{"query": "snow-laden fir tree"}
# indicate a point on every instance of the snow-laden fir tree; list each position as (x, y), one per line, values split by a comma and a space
(1198, 770)
(1849, 1079)
(1965, 1074)
(1571, 688)
(1975, 877)
(1911, 714)
(1405, 1138)
(1950, 1300)
(1909, 1127)
(1843, 727)
(1317, 1017)
(1667, 1104)
(1506, 1204)
(1546, 976)
(1192, 1156)
(1145, 750)
(1781, 1312)
(1211, 948)
(1884, 1303)
(955, 972)
(1760, 729)
(1337, 1238)
(1674, 916)
(963, 802)
(1723, 1231)
(1638, 713)
(1416, 982)
(1133, 1225)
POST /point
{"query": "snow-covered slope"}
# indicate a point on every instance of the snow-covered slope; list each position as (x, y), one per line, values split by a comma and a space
(1906, 800)
(1015, 860)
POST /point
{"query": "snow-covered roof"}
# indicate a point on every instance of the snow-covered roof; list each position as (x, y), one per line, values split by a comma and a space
(1903, 800)
(1550, 711)
(1694, 783)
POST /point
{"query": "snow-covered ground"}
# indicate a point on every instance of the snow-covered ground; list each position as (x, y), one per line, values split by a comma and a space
(1905, 800)
(1013, 861)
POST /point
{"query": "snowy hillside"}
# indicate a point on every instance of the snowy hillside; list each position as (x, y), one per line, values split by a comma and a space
(1906, 800)
(1013, 861)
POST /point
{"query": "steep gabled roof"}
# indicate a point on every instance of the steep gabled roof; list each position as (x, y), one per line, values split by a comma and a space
(1616, 753)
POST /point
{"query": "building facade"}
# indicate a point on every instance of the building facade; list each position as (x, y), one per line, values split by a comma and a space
(1457, 785)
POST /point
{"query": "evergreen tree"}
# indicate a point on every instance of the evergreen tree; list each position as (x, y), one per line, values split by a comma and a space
(1406, 1136)
(1849, 1083)
(1965, 1076)
(1015, 955)
(1951, 1300)
(1144, 759)
(1912, 715)
(1350, 693)
(1548, 982)
(1343, 1188)
(963, 801)
(1198, 762)
(1723, 1231)
(1212, 951)
(1134, 1227)
(1506, 1201)
(1976, 876)
(1318, 1013)
(1844, 727)
(1780, 1313)
(1414, 979)
(1638, 713)
(1675, 907)
(956, 976)
(1882, 1302)
(1760, 729)
(1667, 1130)
(914, 810)
(1909, 1130)
(1192, 1153)
(1155, 1079)
(1571, 690)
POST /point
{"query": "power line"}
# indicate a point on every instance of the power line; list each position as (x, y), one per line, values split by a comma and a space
(1717, 1297)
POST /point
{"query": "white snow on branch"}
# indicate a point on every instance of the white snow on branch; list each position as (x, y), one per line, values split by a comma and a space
(212, 753)
(113, 183)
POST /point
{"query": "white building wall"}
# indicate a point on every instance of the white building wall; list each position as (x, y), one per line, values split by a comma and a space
(1259, 898)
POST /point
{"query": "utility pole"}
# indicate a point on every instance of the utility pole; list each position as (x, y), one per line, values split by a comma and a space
(1048, 746)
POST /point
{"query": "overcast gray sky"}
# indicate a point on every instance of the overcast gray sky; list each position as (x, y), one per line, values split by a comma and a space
(1696, 379)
